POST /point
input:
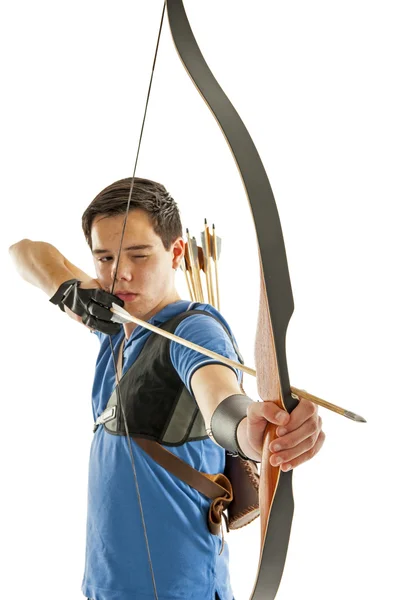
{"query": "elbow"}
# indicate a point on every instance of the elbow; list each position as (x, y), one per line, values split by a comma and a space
(19, 245)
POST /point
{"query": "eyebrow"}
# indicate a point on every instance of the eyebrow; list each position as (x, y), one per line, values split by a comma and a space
(128, 248)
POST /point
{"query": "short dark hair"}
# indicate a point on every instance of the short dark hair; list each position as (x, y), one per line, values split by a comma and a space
(147, 195)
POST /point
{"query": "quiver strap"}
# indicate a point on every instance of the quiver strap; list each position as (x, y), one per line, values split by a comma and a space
(236, 490)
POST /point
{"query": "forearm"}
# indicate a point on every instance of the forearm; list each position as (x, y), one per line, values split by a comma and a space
(42, 265)
(212, 385)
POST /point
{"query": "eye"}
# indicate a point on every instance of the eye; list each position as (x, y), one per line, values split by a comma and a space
(140, 256)
(104, 259)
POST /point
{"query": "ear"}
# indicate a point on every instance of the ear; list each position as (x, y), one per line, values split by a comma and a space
(178, 247)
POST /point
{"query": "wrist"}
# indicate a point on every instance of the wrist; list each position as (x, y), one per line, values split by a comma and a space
(62, 291)
(243, 442)
(56, 282)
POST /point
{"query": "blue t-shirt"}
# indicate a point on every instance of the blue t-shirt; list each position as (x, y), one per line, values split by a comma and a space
(184, 554)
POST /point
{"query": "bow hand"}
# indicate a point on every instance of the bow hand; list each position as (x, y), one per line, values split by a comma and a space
(300, 435)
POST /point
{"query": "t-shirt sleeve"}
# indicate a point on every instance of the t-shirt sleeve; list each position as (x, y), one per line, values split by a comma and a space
(204, 331)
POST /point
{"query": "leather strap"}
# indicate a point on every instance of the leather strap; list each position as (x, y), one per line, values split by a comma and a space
(216, 487)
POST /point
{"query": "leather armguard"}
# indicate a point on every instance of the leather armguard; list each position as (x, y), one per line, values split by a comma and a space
(60, 293)
(225, 421)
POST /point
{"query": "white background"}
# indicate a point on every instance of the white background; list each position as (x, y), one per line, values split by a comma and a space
(316, 85)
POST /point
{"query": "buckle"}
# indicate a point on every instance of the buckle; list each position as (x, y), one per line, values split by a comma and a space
(106, 416)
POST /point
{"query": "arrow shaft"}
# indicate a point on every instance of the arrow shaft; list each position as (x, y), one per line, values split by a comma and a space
(123, 315)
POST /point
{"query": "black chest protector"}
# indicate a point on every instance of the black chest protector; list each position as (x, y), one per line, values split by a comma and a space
(156, 403)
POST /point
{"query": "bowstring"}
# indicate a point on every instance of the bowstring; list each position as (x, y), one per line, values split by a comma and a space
(112, 291)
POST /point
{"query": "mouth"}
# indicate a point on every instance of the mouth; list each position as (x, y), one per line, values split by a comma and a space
(126, 296)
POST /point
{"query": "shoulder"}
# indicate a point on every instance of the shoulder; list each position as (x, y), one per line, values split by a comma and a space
(204, 318)
(208, 329)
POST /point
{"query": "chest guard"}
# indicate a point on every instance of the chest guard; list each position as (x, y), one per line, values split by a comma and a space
(156, 403)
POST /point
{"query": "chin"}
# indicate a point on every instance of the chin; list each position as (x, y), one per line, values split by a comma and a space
(134, 308)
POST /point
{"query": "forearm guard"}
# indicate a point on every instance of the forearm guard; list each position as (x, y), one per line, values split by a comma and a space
(225, 421)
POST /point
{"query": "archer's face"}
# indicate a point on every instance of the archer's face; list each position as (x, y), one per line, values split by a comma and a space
(145, 278)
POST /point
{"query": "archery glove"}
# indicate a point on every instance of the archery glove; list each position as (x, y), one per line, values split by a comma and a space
(92, 305)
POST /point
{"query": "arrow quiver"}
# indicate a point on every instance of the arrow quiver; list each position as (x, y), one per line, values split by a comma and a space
(242, 474)
(205, 259)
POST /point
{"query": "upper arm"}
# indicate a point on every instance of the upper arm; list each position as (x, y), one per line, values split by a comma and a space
(206, 378)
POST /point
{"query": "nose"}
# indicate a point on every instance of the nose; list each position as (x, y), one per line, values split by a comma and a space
(123, 269)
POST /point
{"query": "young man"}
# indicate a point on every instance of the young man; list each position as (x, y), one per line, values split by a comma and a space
(185, 557)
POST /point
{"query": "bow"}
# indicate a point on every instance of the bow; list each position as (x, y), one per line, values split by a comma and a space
(276, 304)
(276, 301)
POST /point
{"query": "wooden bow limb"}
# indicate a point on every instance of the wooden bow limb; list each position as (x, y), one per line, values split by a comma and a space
(122, 316)
(269, 389)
